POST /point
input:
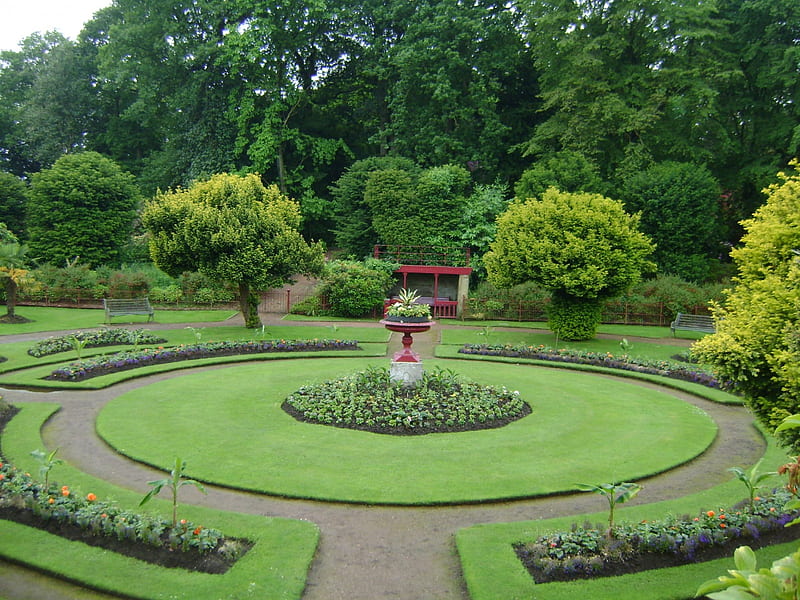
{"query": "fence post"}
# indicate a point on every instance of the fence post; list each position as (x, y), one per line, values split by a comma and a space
(288, 301)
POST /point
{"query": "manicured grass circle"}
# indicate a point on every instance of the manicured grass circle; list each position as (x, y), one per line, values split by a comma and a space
(229, 426)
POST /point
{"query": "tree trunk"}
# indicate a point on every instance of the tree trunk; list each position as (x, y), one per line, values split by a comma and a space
(11, 297)
(248, 304)
(281, 166)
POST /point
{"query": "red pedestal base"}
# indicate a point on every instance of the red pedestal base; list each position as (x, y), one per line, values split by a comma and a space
(407, 354)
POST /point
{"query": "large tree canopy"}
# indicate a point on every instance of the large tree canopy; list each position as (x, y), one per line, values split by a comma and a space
(757, 344)
(231, 228)
(582, 247)
(83, 206)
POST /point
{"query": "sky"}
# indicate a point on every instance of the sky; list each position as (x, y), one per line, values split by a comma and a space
(20, 18)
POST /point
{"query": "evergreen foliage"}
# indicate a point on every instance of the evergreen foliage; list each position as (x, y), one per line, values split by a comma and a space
(231, 228)
(83, 206)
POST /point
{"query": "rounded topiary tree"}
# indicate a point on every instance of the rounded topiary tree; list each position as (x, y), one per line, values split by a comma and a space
(231, 229)
(583, 247)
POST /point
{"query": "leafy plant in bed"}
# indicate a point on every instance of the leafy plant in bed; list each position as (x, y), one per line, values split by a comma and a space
(441, 402)
(109, 363)
(59, 510)
(601, 359)
(93, 339)
(586, 551)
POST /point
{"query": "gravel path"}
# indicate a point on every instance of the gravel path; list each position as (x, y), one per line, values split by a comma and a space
(365, 552)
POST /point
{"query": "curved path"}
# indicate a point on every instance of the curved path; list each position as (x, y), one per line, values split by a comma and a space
(365, 552)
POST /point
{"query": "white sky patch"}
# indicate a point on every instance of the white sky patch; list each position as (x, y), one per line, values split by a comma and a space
(20, 18)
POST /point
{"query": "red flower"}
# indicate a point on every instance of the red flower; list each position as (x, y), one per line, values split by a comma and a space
(722, 525)
(197, 530)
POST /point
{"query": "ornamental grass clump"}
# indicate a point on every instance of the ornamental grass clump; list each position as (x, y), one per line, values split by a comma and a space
(624, 362)
(371, 401)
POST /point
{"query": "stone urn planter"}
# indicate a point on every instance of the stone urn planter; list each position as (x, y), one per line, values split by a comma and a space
(407, 326)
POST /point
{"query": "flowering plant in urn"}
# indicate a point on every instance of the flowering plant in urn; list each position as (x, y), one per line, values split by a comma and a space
(407, 307)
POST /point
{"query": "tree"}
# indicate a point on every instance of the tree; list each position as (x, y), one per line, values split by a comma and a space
(566, 170)
(352, 215)
(13, 259)
(583, 247)
(13, 195)
(680, 212)
(757, 344)
(84, 206)
(231, 228)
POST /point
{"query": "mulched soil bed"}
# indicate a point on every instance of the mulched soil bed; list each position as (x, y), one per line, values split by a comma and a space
(494, 424)
(649, 561)
(213, 562)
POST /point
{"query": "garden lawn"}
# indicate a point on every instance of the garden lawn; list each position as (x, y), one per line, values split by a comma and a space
(21, 369)
(493, 571)
(47, 318)
(275, 568)
(213, 419)
(655, 350)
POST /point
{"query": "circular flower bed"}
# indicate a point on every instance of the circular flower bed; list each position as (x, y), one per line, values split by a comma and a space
(441, 402)
(92, 339)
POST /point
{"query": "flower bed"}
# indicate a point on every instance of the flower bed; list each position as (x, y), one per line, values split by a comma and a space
(57, 509)
(440, 402)
(663, 368)
(586, 552)
(120, 361)
(92, 339)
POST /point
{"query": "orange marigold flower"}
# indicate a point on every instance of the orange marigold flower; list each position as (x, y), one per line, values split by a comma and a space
(51, 500)
(722, 525)
(183, 521)
(697, 518)
(64, 487)
(757, 498)
(722, 517)
(772, 509)
(103, 516)
(197, 530)
(2, 477)
(710, 513)
(65, 491)
(91, 497)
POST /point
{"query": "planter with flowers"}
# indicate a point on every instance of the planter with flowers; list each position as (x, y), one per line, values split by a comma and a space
(408, 317)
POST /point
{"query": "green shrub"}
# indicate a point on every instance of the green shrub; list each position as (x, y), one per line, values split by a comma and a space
(573, 318)
(209, 295)
(311, 306)
(167, 295)
(354, 289)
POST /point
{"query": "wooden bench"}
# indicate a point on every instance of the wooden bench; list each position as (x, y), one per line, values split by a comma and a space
(686, 322)
(119, 307)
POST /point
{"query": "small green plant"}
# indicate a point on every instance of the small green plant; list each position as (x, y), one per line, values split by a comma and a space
(486, 331)
(625, 346)
(198, 332)
(615, 493)
(751, 479)
(46, 463)
(175, 481)
(77, 344)
(408, 306)
(748, 581)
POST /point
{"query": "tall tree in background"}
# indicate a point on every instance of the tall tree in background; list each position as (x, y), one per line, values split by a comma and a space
(622, 74)
(83, 206)
(13, 196)
(231, 229)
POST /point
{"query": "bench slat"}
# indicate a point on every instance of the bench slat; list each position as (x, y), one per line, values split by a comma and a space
(686, 322)
(118, 307)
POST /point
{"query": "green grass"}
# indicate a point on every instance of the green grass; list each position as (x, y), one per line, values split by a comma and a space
(650, 331)
(21, 369)
(655, 350)
(493, 572)
(275, 568)
(213, 419)
(45, 318)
